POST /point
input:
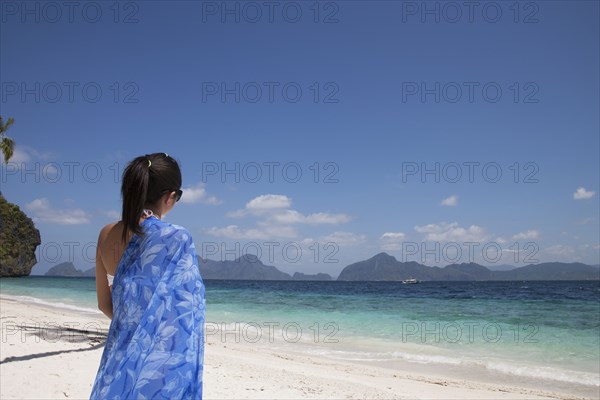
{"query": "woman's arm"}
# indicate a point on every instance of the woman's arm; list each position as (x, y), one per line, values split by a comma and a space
(102, 290)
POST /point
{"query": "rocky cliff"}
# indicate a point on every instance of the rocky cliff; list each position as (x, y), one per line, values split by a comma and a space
(18, 240)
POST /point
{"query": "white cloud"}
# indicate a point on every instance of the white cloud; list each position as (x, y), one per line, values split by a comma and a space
(530, 234)
(198, 194)
(277, 220)
(235, 232)
(393, 236)
(342, 238)
(294, 217)
(266, 232)
(451, 201)
(452, 232)
(392, 241)
(43, 212)
(269, 202)
(276, 208)
(262, 204)
(582, 194)
(276, 230)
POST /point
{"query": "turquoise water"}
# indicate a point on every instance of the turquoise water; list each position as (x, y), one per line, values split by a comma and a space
(549, 331)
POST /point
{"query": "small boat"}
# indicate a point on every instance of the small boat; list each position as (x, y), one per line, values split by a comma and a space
(410, 281)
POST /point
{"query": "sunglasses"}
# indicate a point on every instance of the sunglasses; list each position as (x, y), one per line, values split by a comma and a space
(178, 193)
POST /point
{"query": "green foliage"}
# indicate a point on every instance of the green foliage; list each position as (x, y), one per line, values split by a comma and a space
(4, 127)
(7, 145)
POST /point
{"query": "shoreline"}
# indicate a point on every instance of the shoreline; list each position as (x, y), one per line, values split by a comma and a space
(56, 355)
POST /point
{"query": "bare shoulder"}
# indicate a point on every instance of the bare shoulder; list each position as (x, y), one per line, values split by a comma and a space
(114, 229)
(106, 229)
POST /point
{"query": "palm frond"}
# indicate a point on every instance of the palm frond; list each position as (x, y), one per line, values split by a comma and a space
(7, 146)
(4, 127)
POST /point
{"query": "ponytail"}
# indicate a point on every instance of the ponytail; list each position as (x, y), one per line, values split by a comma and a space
(145, 180)
(134, 191)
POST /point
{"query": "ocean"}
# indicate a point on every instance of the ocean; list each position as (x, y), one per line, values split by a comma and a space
(528, 333)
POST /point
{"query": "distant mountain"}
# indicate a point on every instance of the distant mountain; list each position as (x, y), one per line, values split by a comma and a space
(247, 266)
(551, 271)
(64, 269)
(464, 272)
(380, 267)
(299, 276)
(500, 267)
(383, 267)
(68, 269)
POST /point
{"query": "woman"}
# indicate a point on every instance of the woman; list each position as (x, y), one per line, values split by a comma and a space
(155, 343)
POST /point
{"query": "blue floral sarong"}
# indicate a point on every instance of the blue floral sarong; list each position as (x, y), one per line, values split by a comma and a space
(155, 343)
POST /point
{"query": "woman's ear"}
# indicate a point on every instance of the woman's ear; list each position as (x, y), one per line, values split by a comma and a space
(166, 197)
(171, 198)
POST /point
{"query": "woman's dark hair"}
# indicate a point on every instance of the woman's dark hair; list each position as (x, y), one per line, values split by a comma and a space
(145, 180)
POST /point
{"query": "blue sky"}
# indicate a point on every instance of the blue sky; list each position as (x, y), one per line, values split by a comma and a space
(369, 94)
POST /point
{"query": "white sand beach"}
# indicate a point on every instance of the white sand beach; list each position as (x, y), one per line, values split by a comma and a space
(41, 359)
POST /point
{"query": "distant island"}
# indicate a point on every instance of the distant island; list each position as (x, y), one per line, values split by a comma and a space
(384, 267)
(381, 267)
(68, 269)
(246, 267)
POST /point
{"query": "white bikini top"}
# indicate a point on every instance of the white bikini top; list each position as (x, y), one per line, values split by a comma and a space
(110, 279)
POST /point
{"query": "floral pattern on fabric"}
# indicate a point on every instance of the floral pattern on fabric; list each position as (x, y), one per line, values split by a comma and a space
(155, 344)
